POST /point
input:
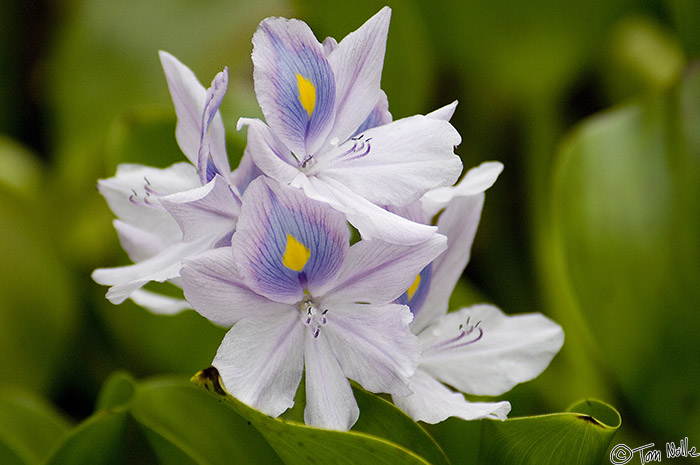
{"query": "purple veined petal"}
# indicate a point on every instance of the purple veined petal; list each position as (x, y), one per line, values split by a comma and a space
(379, 115)
(379, 272)
(208, 210)
(294, 84)
(477, 180)
(443, 113)
(490, 352)
(373, 344)
(161, 267)
(261, 359)
(432, 402)
(330, 403)
(133, 195)
(159, 304)
(417, 293)
(268, 153)
(286, 243)
(211, 156)
(459, 223)
(357, 63)
(371, 221)
(397, 163)
(188, 97)
(215, 288)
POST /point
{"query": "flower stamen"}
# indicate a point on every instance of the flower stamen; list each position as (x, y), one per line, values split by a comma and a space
(467, 334)
(359, 149)
(312, 317)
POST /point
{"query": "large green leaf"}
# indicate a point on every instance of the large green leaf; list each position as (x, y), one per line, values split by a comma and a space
(99, 440)
(581, 436)
(29, 428)
(185, 425)
(382, 419)
(171, 421)
(625, 234)
(296, 443)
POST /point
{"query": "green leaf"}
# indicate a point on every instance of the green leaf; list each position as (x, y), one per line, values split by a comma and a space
(296, 443)
(29, 428)
(626, 222)
(185, 425)
(117, 390)
(382, 419)
(99, 440)
(581, 436)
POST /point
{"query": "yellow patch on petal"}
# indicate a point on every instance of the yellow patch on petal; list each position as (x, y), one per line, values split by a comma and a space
(414, 287)
(307, 94)
(295, 254)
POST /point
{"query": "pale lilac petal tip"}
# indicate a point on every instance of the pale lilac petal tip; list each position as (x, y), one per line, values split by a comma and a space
(432, 402)
(212, 157)
(188, 97)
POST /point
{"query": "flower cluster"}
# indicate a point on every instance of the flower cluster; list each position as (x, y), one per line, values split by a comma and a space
(265, 249)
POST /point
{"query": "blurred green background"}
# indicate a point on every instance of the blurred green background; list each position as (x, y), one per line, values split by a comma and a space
(593, 107)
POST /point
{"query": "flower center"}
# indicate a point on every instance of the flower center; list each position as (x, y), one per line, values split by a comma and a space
(312, 316)
(466, 334)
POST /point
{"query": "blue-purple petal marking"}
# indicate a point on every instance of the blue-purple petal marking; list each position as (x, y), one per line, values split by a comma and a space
(415, 297)
(289, 64)
(275, 222)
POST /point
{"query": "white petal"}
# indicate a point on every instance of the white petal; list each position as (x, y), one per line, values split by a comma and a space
(268, 153)
(330, 402)
(372, 221)
(444, 113)
(357, 65)
(159, 304)
(373, 344)
(246, 172)
(214, 288)
(476, 180)
(432, 402)
(208, 210)
(261, 358)
(162, 267)
(458, 222)
(513, 349)
(140, 244)
(379, 272)
(396, 163)
(133, 195)
(189, 97)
